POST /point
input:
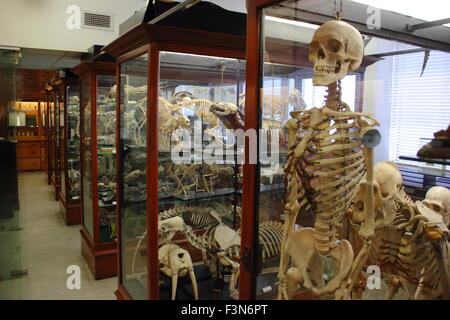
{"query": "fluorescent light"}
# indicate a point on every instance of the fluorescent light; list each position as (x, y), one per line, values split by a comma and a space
(9, 48)
(292, 22)
(170, 53)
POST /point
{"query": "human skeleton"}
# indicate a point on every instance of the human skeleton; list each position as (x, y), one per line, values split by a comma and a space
(325, 166)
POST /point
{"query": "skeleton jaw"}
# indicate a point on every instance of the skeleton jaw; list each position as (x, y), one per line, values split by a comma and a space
(326, 74)
(220, 110)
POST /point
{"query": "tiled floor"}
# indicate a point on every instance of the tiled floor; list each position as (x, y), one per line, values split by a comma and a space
(49, 247)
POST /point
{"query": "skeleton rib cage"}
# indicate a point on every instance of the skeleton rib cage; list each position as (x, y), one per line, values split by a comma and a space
(325, 175)
(403, 249)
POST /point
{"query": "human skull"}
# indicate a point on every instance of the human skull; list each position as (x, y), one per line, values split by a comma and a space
(438, 200)
(336, 49)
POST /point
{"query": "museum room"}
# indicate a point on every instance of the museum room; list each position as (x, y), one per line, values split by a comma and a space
(189, 150)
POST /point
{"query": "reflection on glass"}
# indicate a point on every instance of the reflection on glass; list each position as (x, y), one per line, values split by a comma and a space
(106, 155)
(60, 142)
(50, 135)
(133, 93)
(87, 155)
(324, 177)
(55, 139)
(201, 197)
(73, 143)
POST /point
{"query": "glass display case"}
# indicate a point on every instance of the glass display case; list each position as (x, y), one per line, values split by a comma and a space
(325, 85)
(98, 170)
(69, 152)
(47, 133)
(58, 115)
(52, 98)
(171, 208)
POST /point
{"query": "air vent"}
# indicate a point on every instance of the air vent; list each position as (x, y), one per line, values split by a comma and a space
(97, 21)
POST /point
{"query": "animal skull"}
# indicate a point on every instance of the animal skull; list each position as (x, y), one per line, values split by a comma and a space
(387, 183)
(336, 49)
(229, 114)
(183, 122)
(176, 262)
(438, 200)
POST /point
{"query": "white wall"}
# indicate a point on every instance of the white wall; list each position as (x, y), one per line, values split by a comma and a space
(41, 24)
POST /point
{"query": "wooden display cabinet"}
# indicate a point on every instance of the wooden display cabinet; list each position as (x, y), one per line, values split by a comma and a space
(98, 233)
(29, 135)
(49, 105)
(157, 64)
(277, 41)
(53, 136)
(68, 166)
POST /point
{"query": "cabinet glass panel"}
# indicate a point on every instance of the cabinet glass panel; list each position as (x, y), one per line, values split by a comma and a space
(321, 199)
(73, 143)
(50, 134)
(87, 155)
(133, 135)
(106, 161)
(61, 155)
(198, 172)
(55, 138)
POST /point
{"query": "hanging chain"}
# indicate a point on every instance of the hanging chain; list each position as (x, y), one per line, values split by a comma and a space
(338, 12)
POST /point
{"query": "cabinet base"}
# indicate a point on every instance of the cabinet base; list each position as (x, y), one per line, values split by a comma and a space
(101, 259)
(57, 190)
(71, 213)
(122, 294)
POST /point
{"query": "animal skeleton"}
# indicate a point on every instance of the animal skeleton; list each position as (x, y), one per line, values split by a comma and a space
(229, 114)
(438, 200)
(106, 123)
(221, 243)
(176, 262)
(410, 242)
(194, 216)
(201, 177)
(325, 165)
(275, 105)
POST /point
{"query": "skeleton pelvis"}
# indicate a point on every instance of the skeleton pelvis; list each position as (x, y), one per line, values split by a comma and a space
(300, 246)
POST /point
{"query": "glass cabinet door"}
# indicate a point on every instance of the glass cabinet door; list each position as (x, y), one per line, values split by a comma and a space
(106, 158)
(133, 146)
(51, 105)
(73, 184)
(61, 153)
(322, 93)
(56, 139)
(198, 175)
(86, 149)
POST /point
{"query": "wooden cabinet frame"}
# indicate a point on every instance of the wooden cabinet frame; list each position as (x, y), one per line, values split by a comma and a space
(101, 257)
(151, 40)
(70, 209)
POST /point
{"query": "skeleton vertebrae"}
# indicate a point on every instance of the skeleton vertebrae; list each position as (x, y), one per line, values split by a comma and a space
(328, 159)
(325, 166)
